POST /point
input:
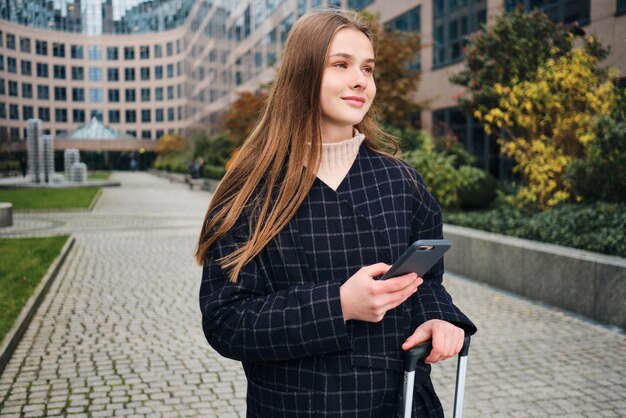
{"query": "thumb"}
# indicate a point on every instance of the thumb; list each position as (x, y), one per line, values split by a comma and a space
(422, 334)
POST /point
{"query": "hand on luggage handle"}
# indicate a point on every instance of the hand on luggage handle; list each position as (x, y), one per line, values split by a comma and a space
(420, 352)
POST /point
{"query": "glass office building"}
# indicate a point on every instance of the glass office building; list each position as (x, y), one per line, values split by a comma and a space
(147, 67)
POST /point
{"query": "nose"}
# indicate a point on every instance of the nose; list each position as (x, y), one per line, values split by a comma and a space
(359, 80)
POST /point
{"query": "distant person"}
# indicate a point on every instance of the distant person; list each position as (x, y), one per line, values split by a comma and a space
(133, 164)
(201, 168)
(314, 208)
(192, 169)
(23, 166)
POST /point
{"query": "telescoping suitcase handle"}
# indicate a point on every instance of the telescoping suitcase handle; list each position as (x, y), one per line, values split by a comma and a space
(420, 352)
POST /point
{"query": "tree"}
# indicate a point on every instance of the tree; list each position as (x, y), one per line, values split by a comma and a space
(547, 121)
(243, 114)
(510, 50)
(171, 143)
(396, 79)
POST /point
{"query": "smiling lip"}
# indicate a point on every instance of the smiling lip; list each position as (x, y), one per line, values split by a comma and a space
(355, 100)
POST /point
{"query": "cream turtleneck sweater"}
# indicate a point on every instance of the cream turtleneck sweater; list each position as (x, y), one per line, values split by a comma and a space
(337, 158)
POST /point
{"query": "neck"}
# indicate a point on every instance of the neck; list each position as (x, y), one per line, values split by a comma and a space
(335, 134)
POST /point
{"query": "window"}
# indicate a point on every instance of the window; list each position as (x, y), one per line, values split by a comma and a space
(113, 74)
(158, 94)
(3, 108)
(12, 88)
(42, 70)
(41, 47)
(1, 62)
(58, 49)
(131, 116)
(170, 70)
(28, 112)
(621, 6)
(145, 73)
(359, 4)
(10, 41)
(170, 93)
(452, 21)
(130, 95)
(25, 45)
(170, 114)
(12, 65)
(145, 95)
(76, 52)
(179, 91)
(472, 136)
(132, 133)
(158, 72)
(2, 87)
(96, 113)
(44, 114)
(27, 68)
(129, 53)
(145, 115)
(158, 115)
(179, 68)
(78, 73)
(95, 74)
(145, 134)
(114, 95)
(170, 49)
(78, 116)
(27, 90)
(159, 133)
(96, 95)
(78, 95)
(14, 112)
(43, 92)
(408, 22)
(114, 116)
(144, 52)
(112, 54)
(95, 53)
(564, 11)
(59, 72)
(60, 115)
(60, 94)
(129, 74)
(158, 51)
(179, 44)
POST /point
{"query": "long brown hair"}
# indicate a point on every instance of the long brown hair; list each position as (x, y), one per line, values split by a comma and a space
(275, 170)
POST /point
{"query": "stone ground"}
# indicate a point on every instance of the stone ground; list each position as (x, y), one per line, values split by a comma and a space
(119, 332)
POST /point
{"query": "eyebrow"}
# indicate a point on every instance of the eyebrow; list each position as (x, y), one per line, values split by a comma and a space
(349, 57)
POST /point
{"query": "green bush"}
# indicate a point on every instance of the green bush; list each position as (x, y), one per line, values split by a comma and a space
(214, 171)
(440, 176)
(477, 189)
(9, 165)
(176, 162)
(600, 175)
(598, 227)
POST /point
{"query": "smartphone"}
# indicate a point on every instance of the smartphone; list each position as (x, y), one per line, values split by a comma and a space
(419, 258)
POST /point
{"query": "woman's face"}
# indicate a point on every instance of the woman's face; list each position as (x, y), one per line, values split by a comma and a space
(348, 87)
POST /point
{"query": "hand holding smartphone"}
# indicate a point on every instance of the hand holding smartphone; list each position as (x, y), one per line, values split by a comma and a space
(419, 258)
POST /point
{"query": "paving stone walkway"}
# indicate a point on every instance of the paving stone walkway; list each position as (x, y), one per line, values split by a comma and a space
(119, 332)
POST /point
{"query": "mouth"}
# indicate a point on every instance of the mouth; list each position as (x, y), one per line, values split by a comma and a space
(354, 100)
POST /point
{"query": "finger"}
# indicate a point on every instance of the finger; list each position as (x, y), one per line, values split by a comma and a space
(393, 300)
(377, 269)
(419, 336)
(399, 283)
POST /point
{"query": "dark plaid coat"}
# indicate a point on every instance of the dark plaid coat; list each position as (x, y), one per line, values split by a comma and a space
(283, 319)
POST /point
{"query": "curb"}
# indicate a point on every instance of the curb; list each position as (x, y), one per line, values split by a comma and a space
(15, 334)
(95, 200)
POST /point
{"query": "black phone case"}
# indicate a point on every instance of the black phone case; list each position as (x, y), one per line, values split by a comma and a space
(419, 258)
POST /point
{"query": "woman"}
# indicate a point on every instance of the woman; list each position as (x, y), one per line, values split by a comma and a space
(312, 210)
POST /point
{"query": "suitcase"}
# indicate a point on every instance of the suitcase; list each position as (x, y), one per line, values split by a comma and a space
(420, 352)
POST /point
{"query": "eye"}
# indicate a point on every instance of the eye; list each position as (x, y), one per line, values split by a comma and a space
(340, 65)
(368, 69)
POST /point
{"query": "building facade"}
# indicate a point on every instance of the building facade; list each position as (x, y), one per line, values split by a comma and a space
(149, 67)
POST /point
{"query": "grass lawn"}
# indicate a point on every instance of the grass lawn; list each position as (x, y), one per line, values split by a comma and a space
(24, 263)
(99, 175)
(76, 197)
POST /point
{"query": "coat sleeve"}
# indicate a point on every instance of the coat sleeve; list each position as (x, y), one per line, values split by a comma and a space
(432, 301)
(245, 322)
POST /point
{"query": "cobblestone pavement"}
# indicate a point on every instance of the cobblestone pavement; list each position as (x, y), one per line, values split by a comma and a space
(119, 332)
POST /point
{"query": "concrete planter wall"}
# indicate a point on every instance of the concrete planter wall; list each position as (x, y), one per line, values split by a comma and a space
(6, 214)
(590, 284)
